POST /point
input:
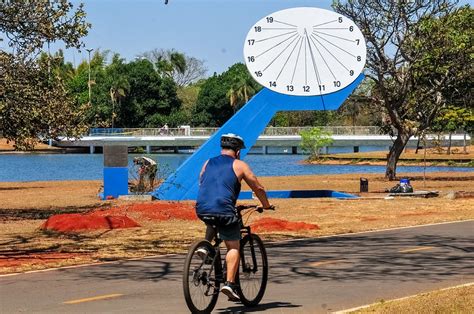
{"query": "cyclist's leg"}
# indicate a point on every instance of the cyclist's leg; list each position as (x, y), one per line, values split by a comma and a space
(231, 236)
(232, 258)
(210, 233)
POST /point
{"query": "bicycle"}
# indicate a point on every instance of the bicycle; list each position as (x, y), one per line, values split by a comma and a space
(203, 275)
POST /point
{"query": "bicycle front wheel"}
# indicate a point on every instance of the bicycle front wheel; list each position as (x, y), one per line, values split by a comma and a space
(253, 271)
(201, 289)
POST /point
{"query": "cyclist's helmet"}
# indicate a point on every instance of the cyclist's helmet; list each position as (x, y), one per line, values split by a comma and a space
(232, 141)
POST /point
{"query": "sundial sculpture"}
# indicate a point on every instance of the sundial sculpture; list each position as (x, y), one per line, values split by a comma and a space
(306, 58)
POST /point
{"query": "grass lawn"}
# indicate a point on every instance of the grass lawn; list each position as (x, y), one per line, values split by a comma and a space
(458, 300)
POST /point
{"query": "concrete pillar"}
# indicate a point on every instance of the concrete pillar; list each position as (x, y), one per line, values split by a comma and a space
(91, 149)
(294, 150)
(264, 150)
(148, 149)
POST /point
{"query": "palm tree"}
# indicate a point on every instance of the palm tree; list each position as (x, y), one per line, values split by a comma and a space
(170, 62)
(119, 89)
(239, 93)
(232, 95)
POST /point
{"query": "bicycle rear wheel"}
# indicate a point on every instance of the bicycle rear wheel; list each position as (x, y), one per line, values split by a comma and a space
(201, 289)
(253, 270)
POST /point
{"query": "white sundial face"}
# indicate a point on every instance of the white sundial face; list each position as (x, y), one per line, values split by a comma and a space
(305, 51)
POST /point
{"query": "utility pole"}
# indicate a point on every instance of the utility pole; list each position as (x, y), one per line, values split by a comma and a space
(89, 82)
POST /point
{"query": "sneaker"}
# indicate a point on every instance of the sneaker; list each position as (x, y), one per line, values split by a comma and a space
(204, 254)
(229, 290)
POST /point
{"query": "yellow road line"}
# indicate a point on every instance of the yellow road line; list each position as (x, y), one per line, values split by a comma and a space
(322, 263)
(100, 297)
(425, 248)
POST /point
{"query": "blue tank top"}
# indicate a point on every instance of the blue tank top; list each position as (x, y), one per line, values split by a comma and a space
(219, 188)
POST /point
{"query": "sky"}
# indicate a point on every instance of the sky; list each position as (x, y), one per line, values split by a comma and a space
(210, 30)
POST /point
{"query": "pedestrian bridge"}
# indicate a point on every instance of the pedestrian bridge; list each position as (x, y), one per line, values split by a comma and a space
(287, 139)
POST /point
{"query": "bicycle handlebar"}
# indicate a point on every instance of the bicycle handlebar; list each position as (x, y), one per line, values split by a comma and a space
(257, 208)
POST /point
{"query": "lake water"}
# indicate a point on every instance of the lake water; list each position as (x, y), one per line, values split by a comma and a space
(49, 167)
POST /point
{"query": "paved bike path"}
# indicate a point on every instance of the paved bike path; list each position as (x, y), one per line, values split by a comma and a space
(306, 276)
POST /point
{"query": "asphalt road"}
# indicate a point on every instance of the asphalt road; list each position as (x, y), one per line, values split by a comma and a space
(306, 276)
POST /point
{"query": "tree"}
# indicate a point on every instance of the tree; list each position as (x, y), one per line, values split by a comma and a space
(313, 140)
(454, 118)
(118, 81)
(33, 100)
(212, 106)
(35, 103)
(240, 90)
(151, 98)
(183, 69)
(409, 89)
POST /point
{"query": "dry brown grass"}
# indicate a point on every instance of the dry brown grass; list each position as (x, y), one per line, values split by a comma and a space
(20, 237)
(49, 195)
(8, 147)
(455, 300)
(409, 154)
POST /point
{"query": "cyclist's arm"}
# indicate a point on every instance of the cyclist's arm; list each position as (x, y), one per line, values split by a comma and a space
(250, 178)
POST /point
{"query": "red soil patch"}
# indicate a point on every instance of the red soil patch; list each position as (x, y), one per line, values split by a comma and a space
(272, 224)
(119, 217)
(157, 211)
(78, 222)
(36, 258)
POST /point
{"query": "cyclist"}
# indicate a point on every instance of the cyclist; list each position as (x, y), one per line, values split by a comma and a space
(219, 188)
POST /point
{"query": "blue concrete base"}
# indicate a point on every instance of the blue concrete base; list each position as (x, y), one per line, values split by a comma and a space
(115, 182)
(247, 195)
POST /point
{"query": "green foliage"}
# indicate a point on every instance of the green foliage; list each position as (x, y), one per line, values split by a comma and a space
(183, 69)
(28, 25)
(454, 118)
(443, 67)
(313, 140)
(35, 103)
(151, 97)
(34, 100)
(213, 107)
(304, 118)
(124, 94)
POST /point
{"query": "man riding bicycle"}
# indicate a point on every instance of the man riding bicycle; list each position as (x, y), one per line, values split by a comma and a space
(219, 188)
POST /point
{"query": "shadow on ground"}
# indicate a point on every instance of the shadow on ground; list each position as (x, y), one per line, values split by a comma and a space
(259, 308)
(372, 257)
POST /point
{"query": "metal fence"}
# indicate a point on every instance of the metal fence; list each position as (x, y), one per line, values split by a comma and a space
(271, 131)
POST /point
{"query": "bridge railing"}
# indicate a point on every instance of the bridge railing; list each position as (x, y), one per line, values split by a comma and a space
(335, 130)
(270, 131)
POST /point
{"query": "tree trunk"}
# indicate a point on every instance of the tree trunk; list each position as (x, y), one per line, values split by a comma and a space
(464, 143)
(449, 144)
(417, 144)
(395, 152)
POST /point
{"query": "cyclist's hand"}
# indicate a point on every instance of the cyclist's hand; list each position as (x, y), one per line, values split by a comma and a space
(261, 209)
